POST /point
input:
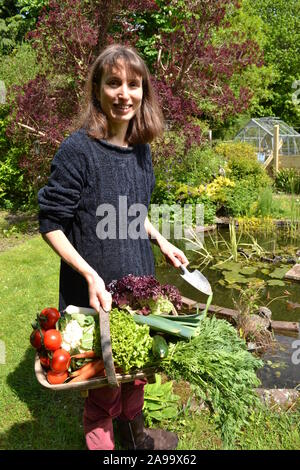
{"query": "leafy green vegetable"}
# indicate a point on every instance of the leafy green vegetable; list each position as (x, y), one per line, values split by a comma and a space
(131, 343)
(158, 306)
(222, 372)
(146, 294)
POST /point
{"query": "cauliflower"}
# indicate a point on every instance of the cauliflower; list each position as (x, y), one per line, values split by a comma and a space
(72, 336)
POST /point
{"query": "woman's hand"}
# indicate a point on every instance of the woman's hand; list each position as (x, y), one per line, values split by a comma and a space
(172, 254)
(98, 295)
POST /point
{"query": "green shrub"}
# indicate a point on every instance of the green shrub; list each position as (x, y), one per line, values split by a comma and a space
(164, 193)
(167, 154)
(14, 189)
(201, 165)
(20, 66)
(264, 202)
(241, 198)
(210, 210)
(15, 69)
(243, 163)
(179, 193)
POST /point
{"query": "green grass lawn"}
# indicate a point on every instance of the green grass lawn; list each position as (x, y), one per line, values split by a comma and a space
(32, 417)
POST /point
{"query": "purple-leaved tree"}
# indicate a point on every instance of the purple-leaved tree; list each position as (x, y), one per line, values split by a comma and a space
(192, 72)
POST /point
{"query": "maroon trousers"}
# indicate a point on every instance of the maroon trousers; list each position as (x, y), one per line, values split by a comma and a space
(104, 404)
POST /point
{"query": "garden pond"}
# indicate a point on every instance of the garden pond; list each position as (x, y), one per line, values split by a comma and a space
(248, 264)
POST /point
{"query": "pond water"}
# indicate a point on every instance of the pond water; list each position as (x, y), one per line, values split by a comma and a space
(284, 301)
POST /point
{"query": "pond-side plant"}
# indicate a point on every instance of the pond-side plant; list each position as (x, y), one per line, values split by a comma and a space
(265, 202)
(294, 227)
(240, 199)
(227, 250)
(252, 327)
(233, 241)
(248, 299)
(256, 224)
(198, 247)
(234, 249)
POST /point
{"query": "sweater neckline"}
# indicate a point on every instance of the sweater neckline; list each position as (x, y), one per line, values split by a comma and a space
(116, 148)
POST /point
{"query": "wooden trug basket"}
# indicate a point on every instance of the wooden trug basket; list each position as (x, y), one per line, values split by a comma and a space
(112, 379)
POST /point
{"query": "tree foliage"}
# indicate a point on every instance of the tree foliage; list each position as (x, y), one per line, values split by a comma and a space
(192, 72)
(281, 22)
(16, 19)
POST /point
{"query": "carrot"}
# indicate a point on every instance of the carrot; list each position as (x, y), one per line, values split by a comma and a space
(84, 368)
(90, 370)
(102, 373)
(87, 354)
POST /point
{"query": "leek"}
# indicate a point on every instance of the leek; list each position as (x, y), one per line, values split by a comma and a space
(166, 326)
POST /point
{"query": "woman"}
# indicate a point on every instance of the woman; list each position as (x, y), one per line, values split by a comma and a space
(100, 172)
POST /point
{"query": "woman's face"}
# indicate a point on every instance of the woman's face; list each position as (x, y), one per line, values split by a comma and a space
(121, 94)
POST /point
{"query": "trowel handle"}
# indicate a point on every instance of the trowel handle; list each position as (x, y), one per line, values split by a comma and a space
(183, 269)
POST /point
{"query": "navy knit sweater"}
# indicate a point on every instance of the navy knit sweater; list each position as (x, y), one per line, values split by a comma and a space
(85, 174)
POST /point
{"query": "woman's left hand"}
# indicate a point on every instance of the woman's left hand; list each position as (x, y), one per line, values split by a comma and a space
(173, 255)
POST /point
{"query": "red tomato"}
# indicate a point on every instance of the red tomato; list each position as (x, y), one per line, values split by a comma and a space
(56, 378)
(45, 361)
(35, 338)
(48, 318)
(60, 360)
(52, 340)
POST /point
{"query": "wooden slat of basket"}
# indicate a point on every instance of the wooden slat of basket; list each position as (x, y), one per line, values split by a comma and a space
(95, 382)
(106, 348)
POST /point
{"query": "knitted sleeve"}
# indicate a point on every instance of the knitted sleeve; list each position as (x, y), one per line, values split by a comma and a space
(59, 199)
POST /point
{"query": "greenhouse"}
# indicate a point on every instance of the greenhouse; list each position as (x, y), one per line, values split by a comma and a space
(260, 133)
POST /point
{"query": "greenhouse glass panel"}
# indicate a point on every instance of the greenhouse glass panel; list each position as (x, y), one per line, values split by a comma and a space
(259, 133)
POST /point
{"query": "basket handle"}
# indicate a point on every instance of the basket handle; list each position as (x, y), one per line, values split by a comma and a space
(106, 348)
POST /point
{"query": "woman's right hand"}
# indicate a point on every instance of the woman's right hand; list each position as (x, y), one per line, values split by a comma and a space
(98, 295)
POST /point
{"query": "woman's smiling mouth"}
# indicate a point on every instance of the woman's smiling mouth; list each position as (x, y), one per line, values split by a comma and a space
(123, 106)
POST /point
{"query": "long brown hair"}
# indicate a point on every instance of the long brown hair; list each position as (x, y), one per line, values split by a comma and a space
(148, 122)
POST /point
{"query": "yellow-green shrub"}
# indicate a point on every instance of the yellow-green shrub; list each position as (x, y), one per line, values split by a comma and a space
(243, 163)
(230, 150)
(216, 190)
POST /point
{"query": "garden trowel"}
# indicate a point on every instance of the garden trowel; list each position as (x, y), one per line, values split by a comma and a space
(196, 279)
